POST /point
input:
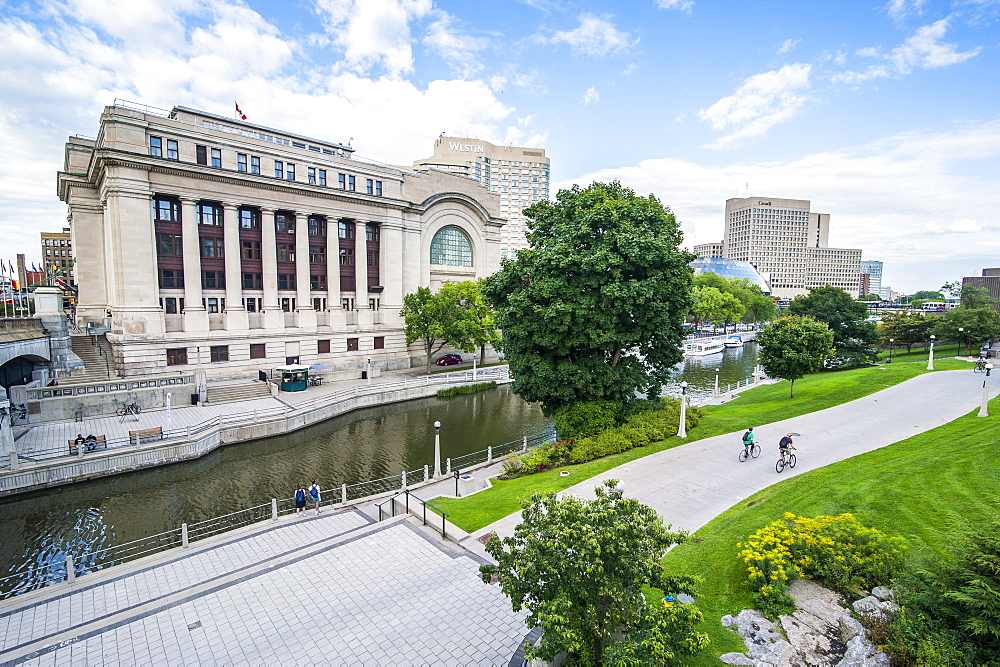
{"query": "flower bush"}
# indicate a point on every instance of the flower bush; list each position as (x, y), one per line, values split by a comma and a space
(545, 457)
(837, 551)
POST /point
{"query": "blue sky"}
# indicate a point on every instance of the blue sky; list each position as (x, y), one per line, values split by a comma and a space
(883, 114)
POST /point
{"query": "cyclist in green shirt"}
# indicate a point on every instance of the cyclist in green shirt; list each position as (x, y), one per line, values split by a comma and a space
(748, 441)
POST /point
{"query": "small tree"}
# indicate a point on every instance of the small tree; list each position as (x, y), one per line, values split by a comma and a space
(472, 325)
(793, 346)
(905, 328)
(426, 317)
(578, 567)
(978, 324)
(853, 335)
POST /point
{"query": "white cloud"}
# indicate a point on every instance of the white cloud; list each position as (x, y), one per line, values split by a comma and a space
(630, 69)
(374, 33)
(591, 96)
(761, 102)
(906, 199)
(681, 5)
(595, 36)
(900, 9)
(923, 50)
(788, 45)
(457, 48)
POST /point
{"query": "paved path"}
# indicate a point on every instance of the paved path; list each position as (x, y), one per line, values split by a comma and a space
(692, 484)
(307, 590)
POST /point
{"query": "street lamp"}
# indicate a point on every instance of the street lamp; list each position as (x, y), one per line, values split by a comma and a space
(986, 392)
(891, 345)
(716, 392)
(930, 358)
(682, 429)
(961, 330)
(368, 374)
(437, 449)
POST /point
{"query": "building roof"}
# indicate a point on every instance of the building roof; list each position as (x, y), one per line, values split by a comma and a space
(731, 268)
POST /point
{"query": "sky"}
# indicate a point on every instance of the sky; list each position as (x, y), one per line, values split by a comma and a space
(884, 114)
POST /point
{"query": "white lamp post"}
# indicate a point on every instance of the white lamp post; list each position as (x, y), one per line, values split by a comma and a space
(961, 330)
(930, 359)
(474, 367)
(682, 429)
(892, 343)
(369, 373)
(983, 411)
(716, 391)
(437, 449)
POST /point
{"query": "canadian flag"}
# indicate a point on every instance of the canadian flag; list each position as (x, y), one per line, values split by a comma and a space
(239, 113)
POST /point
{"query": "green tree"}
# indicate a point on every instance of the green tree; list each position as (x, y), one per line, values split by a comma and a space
(794, 345)
(472, 324)
(594, 308)
(578, 567)
(978, 324)
(756, 306)
(853, 335)
(974, 296)
(870, 297)
(928, 295)
(426, 318)
(905, 328)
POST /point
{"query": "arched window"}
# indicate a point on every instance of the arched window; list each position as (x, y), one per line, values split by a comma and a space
(451, 247)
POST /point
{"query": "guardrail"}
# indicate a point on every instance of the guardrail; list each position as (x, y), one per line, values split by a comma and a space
(407, 495)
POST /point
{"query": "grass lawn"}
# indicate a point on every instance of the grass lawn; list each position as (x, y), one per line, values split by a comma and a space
(754, 407)
(924, 489)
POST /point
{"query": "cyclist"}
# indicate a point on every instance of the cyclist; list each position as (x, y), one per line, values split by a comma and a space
(785, 446)
(748, 442)
(981, 362)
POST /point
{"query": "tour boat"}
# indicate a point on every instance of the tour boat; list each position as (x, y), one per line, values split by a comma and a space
(734, 340)
(704, 347)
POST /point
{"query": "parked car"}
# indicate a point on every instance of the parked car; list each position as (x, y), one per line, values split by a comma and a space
(449, 359)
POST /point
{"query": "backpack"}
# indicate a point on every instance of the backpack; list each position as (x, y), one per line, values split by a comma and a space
(300, 495)
(314, 492)
(747, 438)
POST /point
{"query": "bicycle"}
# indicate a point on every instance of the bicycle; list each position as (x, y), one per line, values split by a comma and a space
(786, 459)
(749, 451)
(18, 411)
(980, 366)
(127, 409)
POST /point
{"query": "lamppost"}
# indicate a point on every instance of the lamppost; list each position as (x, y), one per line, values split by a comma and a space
(368, 374)
(682, 429)
(437, 449)
(983, 412)
(961, 332)
(716, 392)
(891, 345)
(930, 358)
(474, 367)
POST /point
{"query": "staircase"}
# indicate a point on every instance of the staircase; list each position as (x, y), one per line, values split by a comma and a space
(227, 393)
(97, 360)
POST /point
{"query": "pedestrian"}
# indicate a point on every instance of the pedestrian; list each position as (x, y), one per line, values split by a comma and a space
(300, 499)
(314, 495)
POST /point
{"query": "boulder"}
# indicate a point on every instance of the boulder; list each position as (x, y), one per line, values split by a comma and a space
(884, 593)
(862, 653)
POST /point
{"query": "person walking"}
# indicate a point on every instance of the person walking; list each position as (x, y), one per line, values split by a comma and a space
(314, 494)
(300, 499)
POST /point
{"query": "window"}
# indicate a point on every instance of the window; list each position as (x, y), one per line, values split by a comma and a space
(220, 353)
(373, 304)
(253, 281)
(258, 350)
(201, 153)
(169, 244)
(319, 304)
(290, 171)
(317, 283)
(347, 303)
(209, 214)
(156, 146)
(345, 230)
(371, 232)
(170, 305)
(317, 225)
(379, 343)
(346, 257)
(254, 305)
(172, 153)
(287, 304)
(373, 257)
(279, 169)
(378, 188)
(216, 157)
(311, 175)
(250, 249)
(212, 248)
(254, 164)
(342, 181)
(241, 161)
(286, 281)
(213, 280)
(214, 305)
(317, 254)
(451, 247)
(350, 183)
(286, 252)
(322, 176)
(352, 344)
(284, 222)
(323, 346)
(177, 356)
(249, 218)
(369, 186)
(166, 210)
(171, 278)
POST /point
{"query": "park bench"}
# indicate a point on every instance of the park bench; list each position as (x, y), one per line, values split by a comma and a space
(100, 443)
(136, 437)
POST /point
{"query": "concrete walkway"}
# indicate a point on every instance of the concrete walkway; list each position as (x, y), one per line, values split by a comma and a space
(692, 484)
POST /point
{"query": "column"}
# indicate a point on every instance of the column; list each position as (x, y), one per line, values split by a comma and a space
(273, 317)
(337, 318)
(236, 313)
(195, 315)
(305, 315)
(361, 274)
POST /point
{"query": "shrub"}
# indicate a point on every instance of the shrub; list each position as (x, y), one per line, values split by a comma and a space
(585, 418)
(512, 465)
(466, 389)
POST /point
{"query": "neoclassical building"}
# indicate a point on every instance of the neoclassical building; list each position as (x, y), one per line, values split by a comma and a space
(207, 242)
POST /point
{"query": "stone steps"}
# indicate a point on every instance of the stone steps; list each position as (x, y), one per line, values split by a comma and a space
(237, 392)
(97, 365)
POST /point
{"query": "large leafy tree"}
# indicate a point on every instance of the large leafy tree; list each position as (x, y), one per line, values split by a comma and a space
(978, 325)
(472, 323)
(853, 335)
(594, 308)
(905, 328)
(426, 318)
(578, 567)
(793, 346)
(755, 306)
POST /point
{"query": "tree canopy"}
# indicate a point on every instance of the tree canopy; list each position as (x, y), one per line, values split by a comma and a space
(905, 328)
(793, 346)
(978, 324)
(579, 566)
(853, 335)
(593, 308)
(456, 315)
(754, 305)
(473, 325)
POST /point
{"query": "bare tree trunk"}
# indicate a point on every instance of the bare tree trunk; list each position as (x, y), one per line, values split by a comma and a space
(791, 392)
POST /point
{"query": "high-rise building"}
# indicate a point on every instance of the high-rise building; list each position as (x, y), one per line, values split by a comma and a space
(520, 176)
(57, 254)
(783, 239)
(210, 243)
(873, 268)
(710, 250)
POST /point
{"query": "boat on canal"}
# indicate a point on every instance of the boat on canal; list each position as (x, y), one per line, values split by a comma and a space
(703, 347)
(734, 340)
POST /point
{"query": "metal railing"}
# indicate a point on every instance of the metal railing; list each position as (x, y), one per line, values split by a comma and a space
(407, 495)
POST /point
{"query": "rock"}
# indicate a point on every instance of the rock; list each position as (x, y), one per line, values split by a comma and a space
(735, 659)
(764, 644)
(862, 653)
(850, 628)
(884, 593)
(817, 600)
(872, 606)
(727, 621)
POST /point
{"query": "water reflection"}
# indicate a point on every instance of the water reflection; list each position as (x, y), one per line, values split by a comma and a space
(734, 364)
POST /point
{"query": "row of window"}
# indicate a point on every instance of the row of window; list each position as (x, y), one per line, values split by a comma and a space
(173, 245)
(60, 243)
(172, 305)
(251, 164)
(178, 356)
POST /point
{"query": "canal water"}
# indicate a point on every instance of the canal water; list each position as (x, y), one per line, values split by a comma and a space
(41, 528)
